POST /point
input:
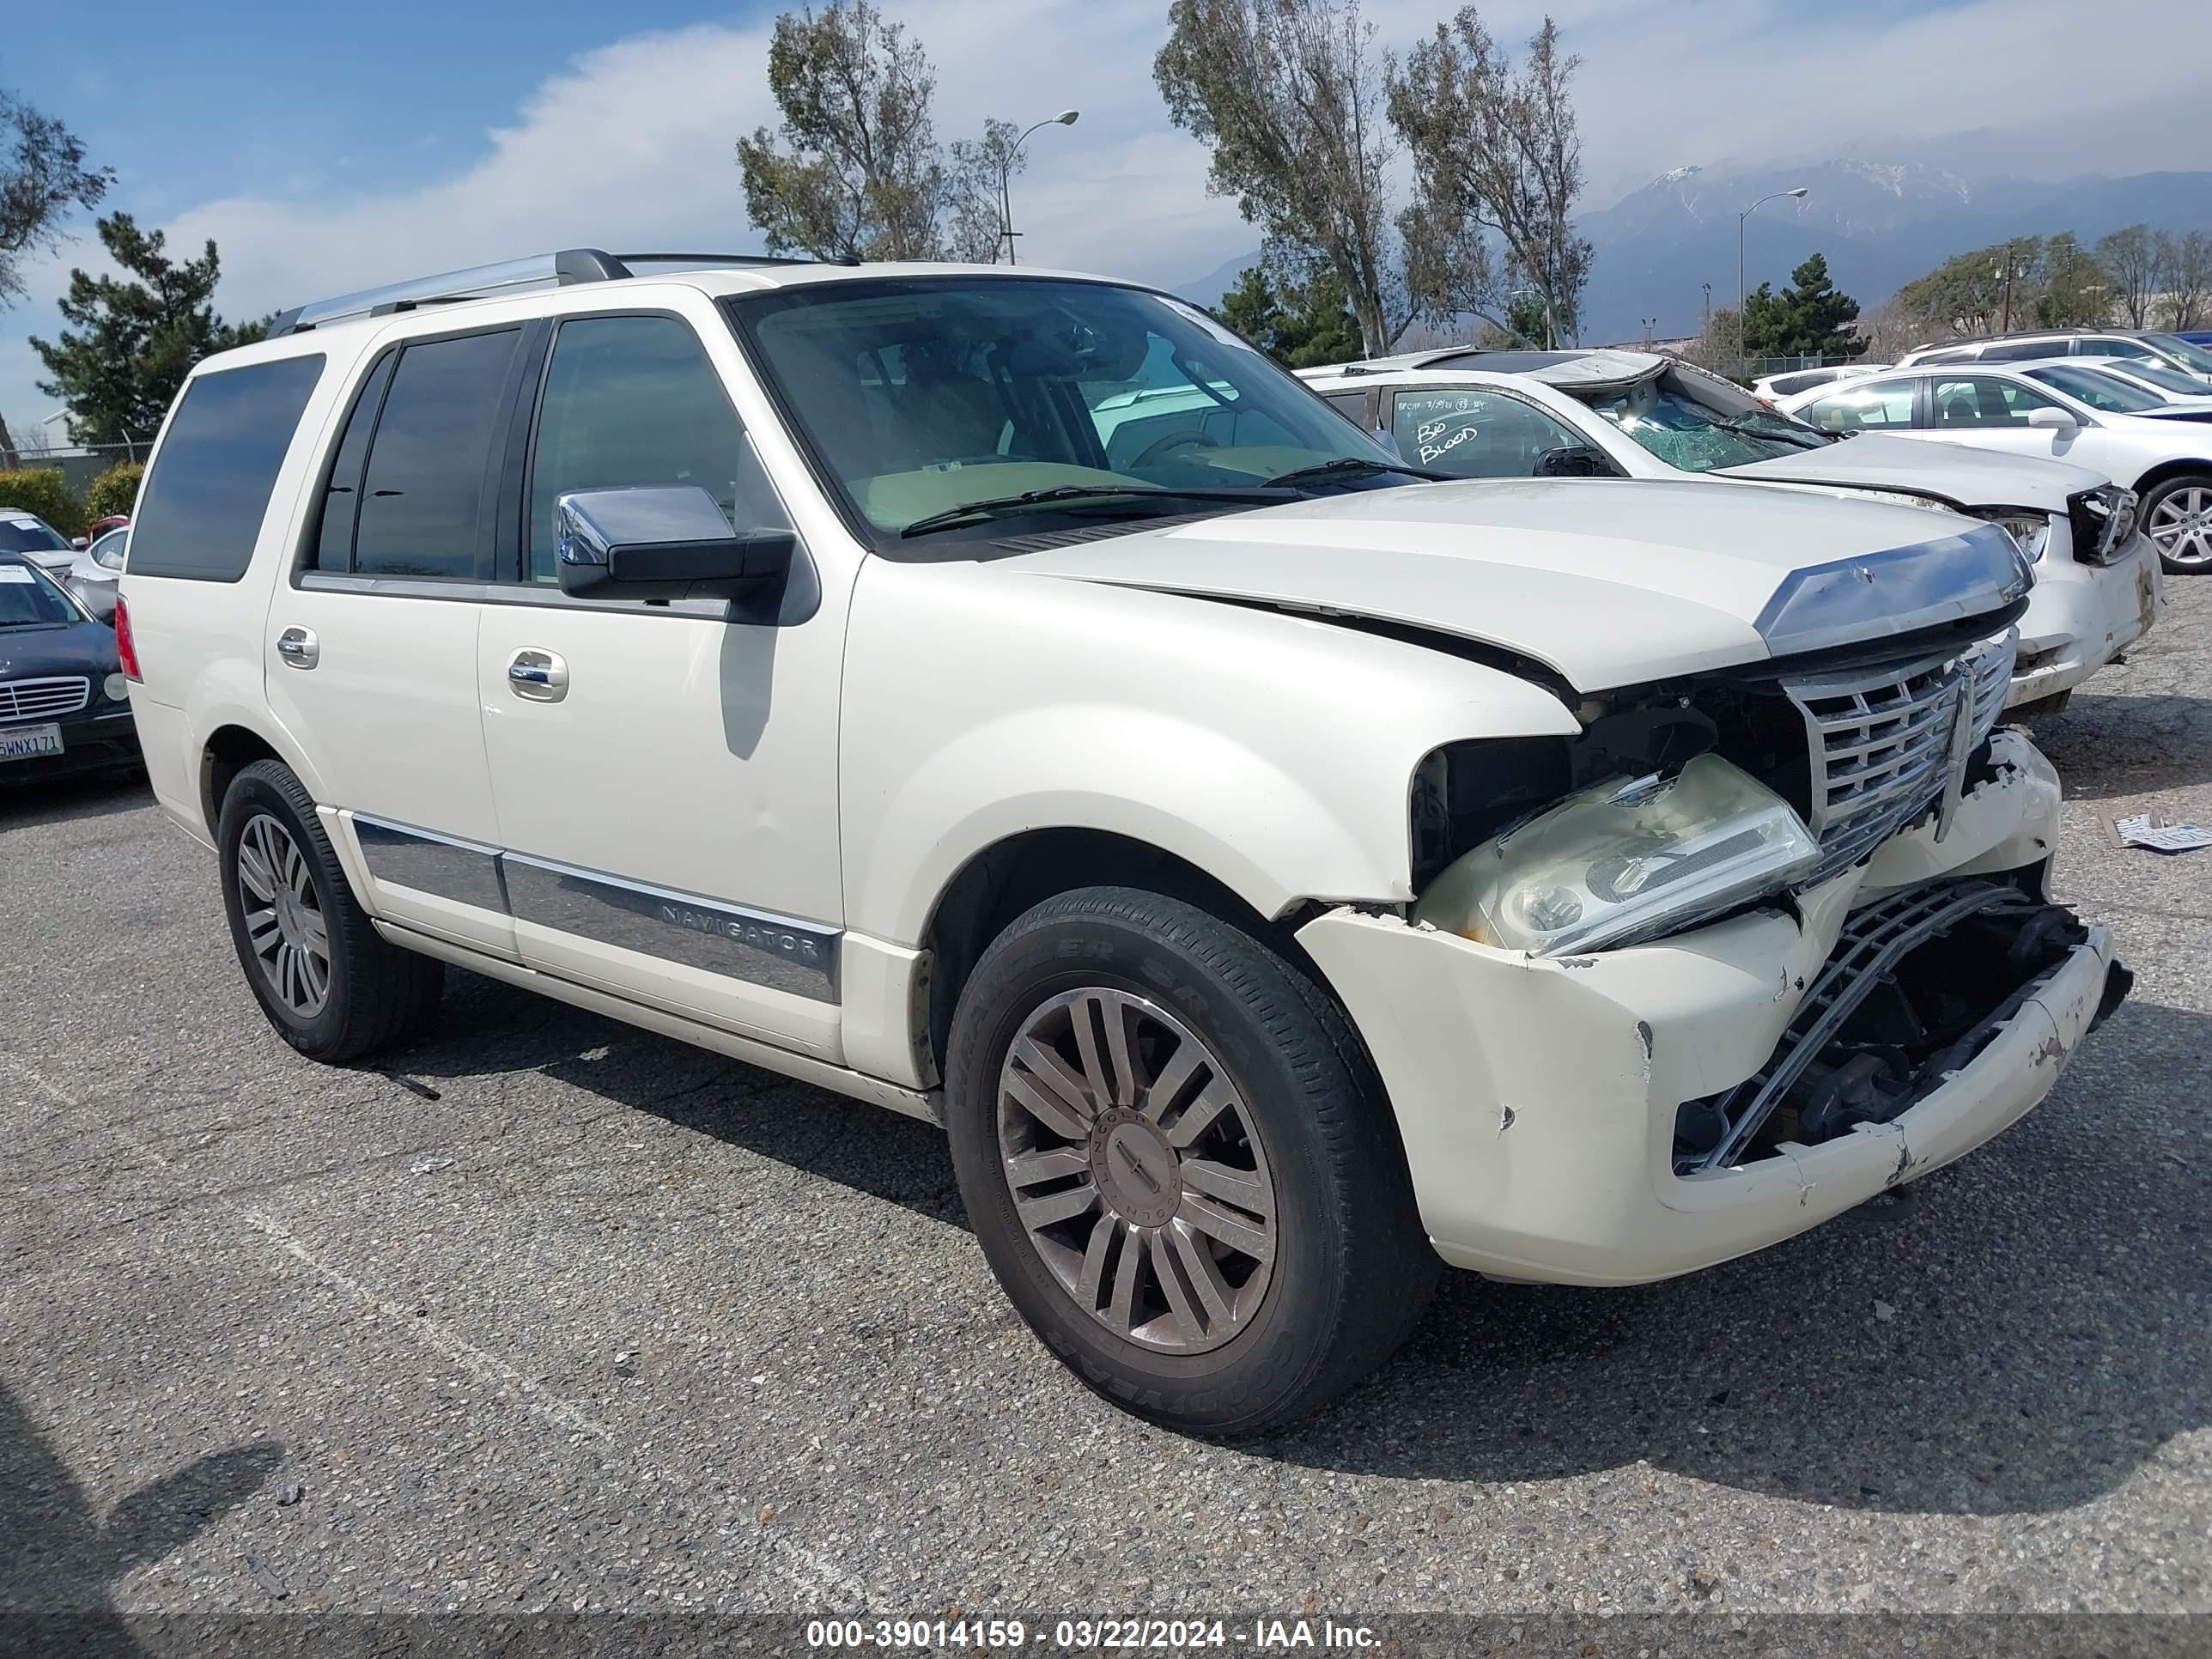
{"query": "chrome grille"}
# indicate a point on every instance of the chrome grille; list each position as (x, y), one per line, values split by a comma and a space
(1886, 744)
(41, 700)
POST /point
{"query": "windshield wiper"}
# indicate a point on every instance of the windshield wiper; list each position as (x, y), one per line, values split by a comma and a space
(1352, 466)
(1069, 493)
(1809, 439)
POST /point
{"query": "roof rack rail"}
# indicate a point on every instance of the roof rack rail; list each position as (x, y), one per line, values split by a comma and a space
(568, 265)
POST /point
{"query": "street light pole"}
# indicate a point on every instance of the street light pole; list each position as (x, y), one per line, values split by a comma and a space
(1067, 118)
(1799, 194)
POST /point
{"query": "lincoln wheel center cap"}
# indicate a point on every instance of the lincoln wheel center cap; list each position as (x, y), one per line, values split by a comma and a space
(1138, 1173)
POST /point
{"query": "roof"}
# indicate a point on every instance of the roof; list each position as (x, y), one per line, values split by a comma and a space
(1566, 369)
(714, 274)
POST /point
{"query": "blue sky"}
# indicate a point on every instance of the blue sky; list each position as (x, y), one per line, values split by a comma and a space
(327, 149)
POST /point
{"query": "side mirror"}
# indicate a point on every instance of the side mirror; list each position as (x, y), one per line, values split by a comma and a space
(2053, 420)
(1576, 461)
(662, 541)
(80, 543)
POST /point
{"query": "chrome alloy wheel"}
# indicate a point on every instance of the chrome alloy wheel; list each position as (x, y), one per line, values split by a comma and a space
(284, 924)
(1137, 1172)
(2181, 526)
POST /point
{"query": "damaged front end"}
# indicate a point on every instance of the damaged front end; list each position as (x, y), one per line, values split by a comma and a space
(1793, 1025)
(1919, 984)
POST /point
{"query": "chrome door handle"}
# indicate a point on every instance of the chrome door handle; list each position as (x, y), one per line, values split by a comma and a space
(540, 676)
(299, 649)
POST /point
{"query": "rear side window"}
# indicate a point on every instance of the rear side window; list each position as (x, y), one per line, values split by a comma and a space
(2025, 351)
(432, 473)
(1352, 405)
(200, 512)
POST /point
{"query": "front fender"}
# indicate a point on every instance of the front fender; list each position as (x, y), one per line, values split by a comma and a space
(1274, 753)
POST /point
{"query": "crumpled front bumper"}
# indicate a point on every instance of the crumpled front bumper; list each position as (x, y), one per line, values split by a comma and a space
(1537, 1098)
(2079, 617)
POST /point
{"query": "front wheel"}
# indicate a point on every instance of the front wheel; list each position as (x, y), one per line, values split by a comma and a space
(1180, 1164)
(2177, 515)
(332, 986)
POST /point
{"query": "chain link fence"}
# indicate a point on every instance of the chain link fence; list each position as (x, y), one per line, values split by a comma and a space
(79, 464)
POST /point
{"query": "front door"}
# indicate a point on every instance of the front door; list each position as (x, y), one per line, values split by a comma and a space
(664, 775)
(371, 649)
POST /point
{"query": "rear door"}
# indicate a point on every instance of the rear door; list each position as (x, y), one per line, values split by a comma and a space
(372, 644)
(665, 774)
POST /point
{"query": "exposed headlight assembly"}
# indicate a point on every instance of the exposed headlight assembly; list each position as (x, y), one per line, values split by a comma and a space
(1630, 858)
(2030, 530)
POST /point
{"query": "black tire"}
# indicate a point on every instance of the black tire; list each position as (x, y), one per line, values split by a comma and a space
(2157, 497)
(377, 994)
(1351, 1267)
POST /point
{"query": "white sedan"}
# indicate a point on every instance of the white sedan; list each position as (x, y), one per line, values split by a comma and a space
(2163, 452)
(1637, 415)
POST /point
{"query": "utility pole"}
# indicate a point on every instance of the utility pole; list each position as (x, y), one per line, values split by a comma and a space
(1707, 326)
(1065, 119)
(2004, 323)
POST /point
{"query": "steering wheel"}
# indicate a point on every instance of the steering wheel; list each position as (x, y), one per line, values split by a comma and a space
(1160, 448)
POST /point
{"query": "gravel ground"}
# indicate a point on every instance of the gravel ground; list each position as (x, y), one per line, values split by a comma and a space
(555, 1313)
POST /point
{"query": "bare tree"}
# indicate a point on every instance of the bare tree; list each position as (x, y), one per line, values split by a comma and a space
(2184, 265)
(856, 171)
(1496, 152)
(42, 177)
(1291, 93)
(2129, 258)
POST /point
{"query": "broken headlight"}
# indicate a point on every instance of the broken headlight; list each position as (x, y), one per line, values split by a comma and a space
(2030, 530)
(1630, 859)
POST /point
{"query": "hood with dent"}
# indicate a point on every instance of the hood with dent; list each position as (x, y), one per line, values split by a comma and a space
(1608, 581)
(1971, 477)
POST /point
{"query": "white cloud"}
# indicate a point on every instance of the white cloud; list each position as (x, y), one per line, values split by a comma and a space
(630, 145)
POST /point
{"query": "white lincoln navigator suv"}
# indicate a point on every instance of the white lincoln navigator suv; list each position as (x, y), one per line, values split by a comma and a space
(1009, 698)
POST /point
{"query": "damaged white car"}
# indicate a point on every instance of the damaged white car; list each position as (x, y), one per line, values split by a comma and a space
(1282, 876)
(1639, 415)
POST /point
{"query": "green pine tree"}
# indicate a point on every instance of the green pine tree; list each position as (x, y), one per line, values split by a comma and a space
(134, 342)
(1810, 317)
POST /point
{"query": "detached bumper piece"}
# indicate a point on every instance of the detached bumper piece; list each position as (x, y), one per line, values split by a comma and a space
(1917, 986)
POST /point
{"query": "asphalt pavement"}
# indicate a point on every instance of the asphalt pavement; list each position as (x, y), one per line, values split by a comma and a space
(548, 1313)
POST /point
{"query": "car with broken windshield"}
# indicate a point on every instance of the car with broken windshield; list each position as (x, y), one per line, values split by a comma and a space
(1008, 698)
(1641, 414)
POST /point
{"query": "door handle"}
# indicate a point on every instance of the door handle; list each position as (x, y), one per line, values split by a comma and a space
(298, 647)
(539, 676)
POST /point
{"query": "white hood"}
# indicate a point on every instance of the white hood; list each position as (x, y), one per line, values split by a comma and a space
(1610, 582)
(1971, 477)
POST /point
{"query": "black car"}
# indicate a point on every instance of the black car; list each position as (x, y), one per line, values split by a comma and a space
(64, 704)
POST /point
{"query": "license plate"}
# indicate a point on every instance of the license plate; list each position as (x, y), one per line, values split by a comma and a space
(26, 742)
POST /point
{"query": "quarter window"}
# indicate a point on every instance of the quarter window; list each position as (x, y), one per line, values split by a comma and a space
(1475, 434)
(1981, 400)
(633, 401)
(342, 495)
(200, 512)
(425, 495)
(1870, 406)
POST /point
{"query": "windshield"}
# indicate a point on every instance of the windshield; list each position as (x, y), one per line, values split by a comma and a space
(29, 535)
(27, 596)
(2100, 391)
(1049, 402)
(1699, 427)
(2181, 351)
(2150, 370)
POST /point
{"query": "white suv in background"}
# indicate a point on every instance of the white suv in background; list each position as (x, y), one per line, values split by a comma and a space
(1279, 875)
(2037, 344)
(2160, 451)
(1634, 413)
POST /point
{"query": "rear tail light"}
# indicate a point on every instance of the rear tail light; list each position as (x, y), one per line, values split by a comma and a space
(125, 646)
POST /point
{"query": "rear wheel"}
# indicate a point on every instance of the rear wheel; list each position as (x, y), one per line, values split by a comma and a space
(2177, 515)
(1180, 1164)
(328, 982)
